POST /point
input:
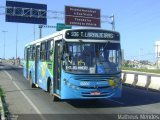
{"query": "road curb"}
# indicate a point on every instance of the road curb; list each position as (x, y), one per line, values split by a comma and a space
(2, 116)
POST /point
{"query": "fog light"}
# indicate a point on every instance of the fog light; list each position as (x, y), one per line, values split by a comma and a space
(111, 82)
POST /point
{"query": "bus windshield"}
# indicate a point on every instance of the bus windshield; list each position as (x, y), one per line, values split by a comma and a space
(92, 58)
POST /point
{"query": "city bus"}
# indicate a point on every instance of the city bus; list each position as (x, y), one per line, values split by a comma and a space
(75, 64)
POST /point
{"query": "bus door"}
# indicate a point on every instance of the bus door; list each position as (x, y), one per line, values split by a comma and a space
(37, 58)
(27, 61)
(57, 68)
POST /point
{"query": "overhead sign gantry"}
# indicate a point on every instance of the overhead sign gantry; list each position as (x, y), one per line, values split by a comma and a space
(23, 12)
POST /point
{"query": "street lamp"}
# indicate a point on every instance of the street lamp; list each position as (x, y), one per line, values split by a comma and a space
(113, 22)
(4, 31)
(16, 40)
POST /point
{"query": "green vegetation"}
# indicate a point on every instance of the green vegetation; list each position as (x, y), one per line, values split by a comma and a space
(1, 95)
(157, 71)
(5, 106)
(1, 92)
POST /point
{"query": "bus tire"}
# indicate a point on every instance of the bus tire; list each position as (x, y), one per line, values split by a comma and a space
(55, 98)
(49, 86)
(31, 81)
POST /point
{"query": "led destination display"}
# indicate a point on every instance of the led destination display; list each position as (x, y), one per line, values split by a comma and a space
(92, 34)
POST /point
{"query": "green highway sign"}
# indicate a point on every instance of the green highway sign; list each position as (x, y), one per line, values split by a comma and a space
(61, 26)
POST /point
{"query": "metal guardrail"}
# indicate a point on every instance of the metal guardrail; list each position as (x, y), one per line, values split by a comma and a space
(141, 79)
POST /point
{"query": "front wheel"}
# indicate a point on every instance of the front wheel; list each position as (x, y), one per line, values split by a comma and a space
(50, 88)
(55, 98)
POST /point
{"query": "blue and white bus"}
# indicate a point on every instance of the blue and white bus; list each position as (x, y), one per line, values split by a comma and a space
(76, 64)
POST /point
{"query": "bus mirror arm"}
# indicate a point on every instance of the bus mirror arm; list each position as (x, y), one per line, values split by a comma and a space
(70, 58)
(62, 56)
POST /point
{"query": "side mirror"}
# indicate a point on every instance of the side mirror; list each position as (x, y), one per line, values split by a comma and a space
(61, 47)
(70, 58)
(62, 57)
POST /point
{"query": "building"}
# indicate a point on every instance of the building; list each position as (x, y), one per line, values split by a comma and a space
(157, 53)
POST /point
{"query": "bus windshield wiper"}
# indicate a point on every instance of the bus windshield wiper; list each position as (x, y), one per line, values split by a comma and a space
(104, 47)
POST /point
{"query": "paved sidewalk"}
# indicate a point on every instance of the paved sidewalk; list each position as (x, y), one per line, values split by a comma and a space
(16, 102)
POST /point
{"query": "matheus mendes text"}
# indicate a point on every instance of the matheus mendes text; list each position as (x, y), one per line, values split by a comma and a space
(138, 117)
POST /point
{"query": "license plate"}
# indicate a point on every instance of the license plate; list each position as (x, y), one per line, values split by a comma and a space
(95, 93)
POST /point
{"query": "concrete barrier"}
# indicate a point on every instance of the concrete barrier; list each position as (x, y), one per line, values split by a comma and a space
(155, 83)
(123, 77)
(129, 79)
(141, 79)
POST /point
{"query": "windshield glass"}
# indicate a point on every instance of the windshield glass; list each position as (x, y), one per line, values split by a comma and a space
(92, 58)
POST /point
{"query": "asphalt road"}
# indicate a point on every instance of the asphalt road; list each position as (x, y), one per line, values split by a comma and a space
(25, 102)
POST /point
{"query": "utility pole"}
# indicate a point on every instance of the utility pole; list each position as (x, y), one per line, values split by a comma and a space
(40, 31)
(4, 31)
(34, 31)
(157, 55)
(16, 40)
(113, 22)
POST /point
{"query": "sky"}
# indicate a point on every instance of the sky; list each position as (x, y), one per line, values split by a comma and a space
(138, 22)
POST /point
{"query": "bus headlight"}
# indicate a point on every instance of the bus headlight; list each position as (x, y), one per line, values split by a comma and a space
(75, 87)
(70, 85)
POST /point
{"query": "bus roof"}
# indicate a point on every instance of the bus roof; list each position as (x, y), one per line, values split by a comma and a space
(62, 32)
(46, 38)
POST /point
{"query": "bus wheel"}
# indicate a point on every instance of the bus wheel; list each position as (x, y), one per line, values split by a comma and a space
(31, 81)
(55, 98)
(50, 87)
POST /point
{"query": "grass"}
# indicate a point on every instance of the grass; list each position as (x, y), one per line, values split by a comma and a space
(157, 71)
(1, 92)
(5, 106)
(1, 95)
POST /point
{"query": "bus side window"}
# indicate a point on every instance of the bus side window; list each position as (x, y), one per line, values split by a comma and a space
(43, 51)
(49, 50)
(33, 52)
(29, 53)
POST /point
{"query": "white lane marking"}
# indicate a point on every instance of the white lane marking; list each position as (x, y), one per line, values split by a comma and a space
(32, 104)
(116, 101)
(25, 96)
(10, 77)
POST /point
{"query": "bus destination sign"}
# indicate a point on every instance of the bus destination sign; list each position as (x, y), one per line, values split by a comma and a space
(92, 34)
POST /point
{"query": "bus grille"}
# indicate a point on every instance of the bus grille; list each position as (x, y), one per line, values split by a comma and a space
(103, 94)
(99, 87)
(93, 80)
